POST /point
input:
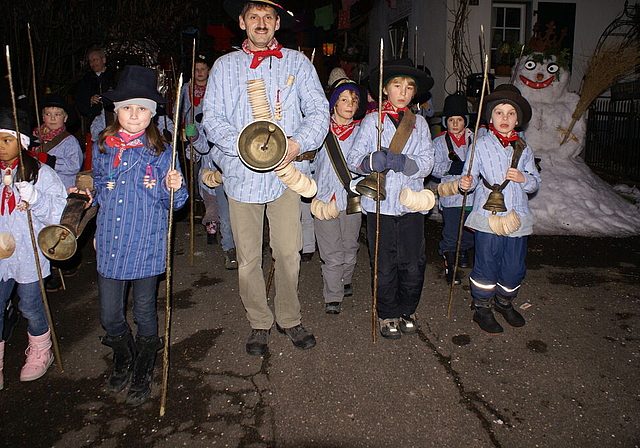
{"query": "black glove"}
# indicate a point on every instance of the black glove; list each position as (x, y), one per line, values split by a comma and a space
(456, 167)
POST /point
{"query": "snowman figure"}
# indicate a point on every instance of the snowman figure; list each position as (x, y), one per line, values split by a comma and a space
(571, 199)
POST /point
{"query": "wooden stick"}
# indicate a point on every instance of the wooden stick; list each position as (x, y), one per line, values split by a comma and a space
(374, 311)
(167, 316)
(485, 81)
(33, 76)
(415, 48)
(192, 165)
(34, 244)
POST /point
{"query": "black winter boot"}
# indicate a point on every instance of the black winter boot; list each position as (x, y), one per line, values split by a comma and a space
(124, 355)
(143, 369)
(486, 320)
(449, 265)
(504, 306)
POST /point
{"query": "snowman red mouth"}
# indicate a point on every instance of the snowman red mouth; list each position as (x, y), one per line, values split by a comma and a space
(537, 85)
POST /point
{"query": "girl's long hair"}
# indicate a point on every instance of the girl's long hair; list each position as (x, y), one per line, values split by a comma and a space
(155, 140)
(31, 168)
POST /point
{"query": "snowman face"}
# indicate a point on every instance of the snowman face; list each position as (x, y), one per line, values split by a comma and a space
(540, 74)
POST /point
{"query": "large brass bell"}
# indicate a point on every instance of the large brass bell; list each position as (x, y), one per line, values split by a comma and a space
(58, 241)
(262, 145)
(369, 186)
(353, 204)
(495, 202)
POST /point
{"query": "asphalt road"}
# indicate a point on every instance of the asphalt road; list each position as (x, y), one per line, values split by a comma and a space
(569, 378)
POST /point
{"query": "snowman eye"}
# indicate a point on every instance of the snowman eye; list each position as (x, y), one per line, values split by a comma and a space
(553, 68)
(530, 65)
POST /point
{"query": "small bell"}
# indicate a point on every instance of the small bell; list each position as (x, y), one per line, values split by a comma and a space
(353, 205)
(7, 179)
(495, 202)
(369, 186)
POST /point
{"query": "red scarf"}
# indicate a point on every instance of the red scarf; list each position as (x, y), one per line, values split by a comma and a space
(389, 109)
(123, 141)
(8, 202)
(198, 94)
(513, 136)
(342, 131)
(460, 140)
(46, 135)
(258, 56)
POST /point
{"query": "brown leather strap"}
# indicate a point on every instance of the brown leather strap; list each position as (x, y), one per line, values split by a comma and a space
(402, 132)
(309, 155)
(46, 147)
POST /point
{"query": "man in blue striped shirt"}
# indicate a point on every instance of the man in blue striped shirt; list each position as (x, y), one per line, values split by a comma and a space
(296, 101)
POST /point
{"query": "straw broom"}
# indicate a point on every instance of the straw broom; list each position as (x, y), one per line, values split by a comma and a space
(609, 64)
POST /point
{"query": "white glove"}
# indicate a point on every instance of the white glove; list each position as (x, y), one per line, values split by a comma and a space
(28, 192)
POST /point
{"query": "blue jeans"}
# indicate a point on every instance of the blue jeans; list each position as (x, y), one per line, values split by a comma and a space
(30, 305)
(113, 305)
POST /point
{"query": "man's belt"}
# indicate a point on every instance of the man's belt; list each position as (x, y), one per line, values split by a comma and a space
(309, 155)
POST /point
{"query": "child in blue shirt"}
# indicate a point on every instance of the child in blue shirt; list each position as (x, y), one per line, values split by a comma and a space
(451, 148)
(503, 163)
(133, 179)
(401, 254)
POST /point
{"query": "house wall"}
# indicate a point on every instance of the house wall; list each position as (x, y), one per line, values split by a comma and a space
(434, 22)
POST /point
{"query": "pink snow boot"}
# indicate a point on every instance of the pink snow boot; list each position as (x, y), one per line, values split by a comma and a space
(1, 364)
(39, 357)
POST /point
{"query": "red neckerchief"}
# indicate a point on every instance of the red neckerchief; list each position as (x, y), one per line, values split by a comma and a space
(513, 136)
(258, 56)
(460, 140)
(388, 109)
(123, 141)
(8, 202)
(198, 93)
(46, 135)
(342, 131)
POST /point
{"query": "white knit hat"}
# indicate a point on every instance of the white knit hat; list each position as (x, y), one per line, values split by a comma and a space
(336, 73)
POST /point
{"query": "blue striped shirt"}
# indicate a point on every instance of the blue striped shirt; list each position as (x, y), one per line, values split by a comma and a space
(492, 160)
(69, 160)
(131, 232)
(419, 148)
(443, 162)
(325, 175)
(305, 116)
(46, 210)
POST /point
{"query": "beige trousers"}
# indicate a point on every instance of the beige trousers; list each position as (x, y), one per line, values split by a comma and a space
(247, 224)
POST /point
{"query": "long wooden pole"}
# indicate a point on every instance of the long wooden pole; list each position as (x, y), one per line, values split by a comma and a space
(374, 305)
(485, 82)
(167, 316)
(192, 164)
(33, 77)
(34, 245)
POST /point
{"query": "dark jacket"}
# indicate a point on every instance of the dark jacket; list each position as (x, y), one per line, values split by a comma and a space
(92, 84)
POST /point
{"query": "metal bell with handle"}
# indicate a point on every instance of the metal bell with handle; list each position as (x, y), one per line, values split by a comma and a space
(58, 241)
(495, 202)
(262, 145)
(369, 186)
